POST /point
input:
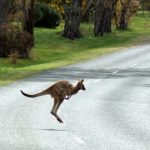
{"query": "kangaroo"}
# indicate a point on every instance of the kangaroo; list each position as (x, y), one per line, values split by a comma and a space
(59, 91)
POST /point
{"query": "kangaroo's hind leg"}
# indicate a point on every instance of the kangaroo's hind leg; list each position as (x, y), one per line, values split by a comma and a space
(54, 105)
(57, 103)
(56, 109)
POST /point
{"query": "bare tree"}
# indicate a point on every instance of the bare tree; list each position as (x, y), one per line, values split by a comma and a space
(72, 19)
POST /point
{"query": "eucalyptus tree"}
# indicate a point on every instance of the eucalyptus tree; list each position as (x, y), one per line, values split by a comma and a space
(103, 11)
(72, 11)
(124, 10)
(123, 24)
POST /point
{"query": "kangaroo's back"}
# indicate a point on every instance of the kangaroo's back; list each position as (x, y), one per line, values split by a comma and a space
(60, 88)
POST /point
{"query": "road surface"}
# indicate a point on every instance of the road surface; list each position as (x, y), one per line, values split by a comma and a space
(112, 114)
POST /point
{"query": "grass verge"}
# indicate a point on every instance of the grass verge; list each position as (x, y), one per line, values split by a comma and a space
(52, 50)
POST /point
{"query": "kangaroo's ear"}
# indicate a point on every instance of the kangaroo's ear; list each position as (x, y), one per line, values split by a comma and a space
(82, 80)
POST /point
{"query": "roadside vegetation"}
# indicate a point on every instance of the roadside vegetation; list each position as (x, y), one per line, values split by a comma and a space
(53, 51)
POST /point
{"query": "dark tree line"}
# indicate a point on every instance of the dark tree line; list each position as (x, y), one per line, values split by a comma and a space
(102, 12)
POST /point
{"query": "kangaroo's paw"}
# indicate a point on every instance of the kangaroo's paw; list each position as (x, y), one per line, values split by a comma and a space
(59, 120)
(57, 117)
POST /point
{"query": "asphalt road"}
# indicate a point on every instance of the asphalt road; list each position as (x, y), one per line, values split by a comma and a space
(112, 114)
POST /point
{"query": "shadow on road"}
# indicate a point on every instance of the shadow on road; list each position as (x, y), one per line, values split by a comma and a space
(60, 130)
(79, 73)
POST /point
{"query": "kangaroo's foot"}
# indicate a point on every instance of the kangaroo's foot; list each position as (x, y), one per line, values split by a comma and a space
(57, 117)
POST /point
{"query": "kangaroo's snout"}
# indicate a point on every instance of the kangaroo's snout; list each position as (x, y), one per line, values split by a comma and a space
(83, 88)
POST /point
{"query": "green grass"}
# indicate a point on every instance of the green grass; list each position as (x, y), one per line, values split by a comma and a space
(52, 50)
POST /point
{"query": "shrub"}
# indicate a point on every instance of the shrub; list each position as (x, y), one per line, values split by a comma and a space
(13, 40)
(13, 57)
(46, 16)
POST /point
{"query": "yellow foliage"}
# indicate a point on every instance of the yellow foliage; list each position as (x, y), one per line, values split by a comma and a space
(58, 5)
(132, 8)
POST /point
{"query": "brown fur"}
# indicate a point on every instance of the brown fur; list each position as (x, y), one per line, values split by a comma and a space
(60, 91)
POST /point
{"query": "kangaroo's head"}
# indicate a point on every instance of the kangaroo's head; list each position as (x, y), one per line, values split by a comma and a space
(80, 85)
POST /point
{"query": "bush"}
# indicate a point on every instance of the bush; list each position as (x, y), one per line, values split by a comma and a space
(13, 40)
(46, 16)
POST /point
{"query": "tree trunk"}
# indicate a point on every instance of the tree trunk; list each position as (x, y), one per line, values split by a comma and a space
(110, 6)
(28, 23)
(86, 12)
(29, 17)
(72, 19)
(123, 24)
(103, 16)
(115, 14)
(4, 7)
(99, 17)
(108, 18)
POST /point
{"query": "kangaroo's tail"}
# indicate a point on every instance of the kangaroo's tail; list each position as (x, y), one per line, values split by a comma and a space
(35, 95)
